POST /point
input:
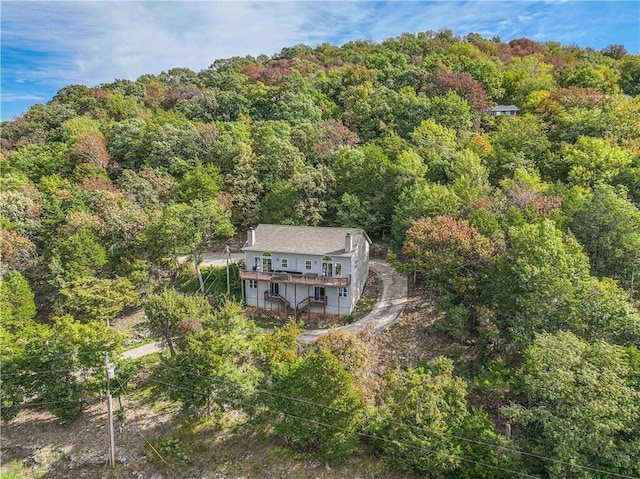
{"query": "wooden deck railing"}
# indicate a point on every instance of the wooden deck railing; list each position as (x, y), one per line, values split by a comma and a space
(306, 279)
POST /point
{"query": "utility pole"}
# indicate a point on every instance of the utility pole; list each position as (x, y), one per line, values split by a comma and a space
(226, 250)
(112, 446)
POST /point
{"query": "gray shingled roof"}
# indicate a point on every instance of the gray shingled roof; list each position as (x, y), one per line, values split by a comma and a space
(313, 240)
(505, 108)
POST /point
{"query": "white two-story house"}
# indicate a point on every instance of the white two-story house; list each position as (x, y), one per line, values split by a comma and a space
(293, 270)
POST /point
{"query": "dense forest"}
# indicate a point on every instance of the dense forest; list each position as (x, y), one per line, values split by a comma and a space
(524, 230)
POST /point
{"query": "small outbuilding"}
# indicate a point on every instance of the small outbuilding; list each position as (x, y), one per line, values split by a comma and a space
(507, 110)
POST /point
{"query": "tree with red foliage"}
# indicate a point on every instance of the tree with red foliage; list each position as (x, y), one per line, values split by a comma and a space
(466, 87)
(332, 135)
(452, 254)
(90, 148)
(268, 75)
(523, 46)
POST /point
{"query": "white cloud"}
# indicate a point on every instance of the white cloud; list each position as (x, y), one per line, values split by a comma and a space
(11, 97)
(92, 42)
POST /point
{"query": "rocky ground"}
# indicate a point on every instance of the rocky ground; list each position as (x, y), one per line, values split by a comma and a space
(35, 446)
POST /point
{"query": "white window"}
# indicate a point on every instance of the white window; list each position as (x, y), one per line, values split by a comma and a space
(338, 269)
(284, 263)
(307, 264)
(342, 292)
(253, 283)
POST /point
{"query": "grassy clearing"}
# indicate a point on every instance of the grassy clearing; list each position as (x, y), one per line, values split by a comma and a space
(15, 469)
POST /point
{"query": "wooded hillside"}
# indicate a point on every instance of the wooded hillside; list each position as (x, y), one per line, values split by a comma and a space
(524, 230)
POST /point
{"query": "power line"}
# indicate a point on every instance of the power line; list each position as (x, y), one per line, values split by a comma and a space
(47, 355)
(48, 371)
(370, 436)
(42, 403)
(305, 401)
(504, 448)
(396, 423)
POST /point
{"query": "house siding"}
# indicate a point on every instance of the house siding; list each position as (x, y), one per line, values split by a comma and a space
(296, 293)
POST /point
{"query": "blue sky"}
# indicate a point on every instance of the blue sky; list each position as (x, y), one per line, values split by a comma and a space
(47, 45)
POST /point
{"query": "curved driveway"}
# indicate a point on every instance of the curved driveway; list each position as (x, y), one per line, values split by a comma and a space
(387, 310)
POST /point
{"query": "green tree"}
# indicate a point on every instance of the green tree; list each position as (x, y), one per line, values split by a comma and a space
(608, 313)
(630, 75)
(120, 106)
(230, 141)
(215, 367)
(422, 200)
(519, 142)
(170, 143)
(299, 200)
(608, 227)
(525, 75)
(125, 142)
(57, 364)
(279, 204)
(187, 228)
(80, 254)
(436, 144)
(89, 299)
(422, 419)
(276, 158)
(535, 283)
(37, 161)
(593, 160)
(18, 302)
(210, 369)
(369, 174)
(201, 182)
(451, 111)
(281, 346)
(214, 104)
(577, 404)
(320, 407)
(139, 190)
(171, 316)
(355, 213)
(359, 358)
(294, 101)
(368, 110)
(122, 220)
(246, 188)
(468, 176)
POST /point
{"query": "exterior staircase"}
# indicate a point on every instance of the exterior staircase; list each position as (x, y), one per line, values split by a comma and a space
(280, 300)
(306, 304)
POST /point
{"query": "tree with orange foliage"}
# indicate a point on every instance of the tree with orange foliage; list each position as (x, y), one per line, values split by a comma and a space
(451, 254)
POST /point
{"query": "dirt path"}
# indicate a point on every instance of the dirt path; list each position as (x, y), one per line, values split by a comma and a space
(143, 350)
(388, 309)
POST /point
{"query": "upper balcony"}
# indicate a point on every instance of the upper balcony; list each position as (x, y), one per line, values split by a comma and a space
(296, 278)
